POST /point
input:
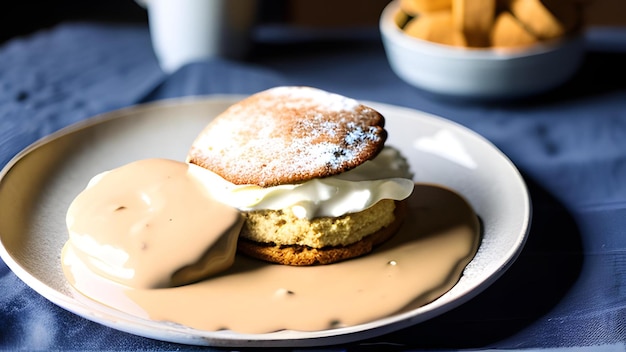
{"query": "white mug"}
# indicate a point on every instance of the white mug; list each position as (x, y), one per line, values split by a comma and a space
(185, 31)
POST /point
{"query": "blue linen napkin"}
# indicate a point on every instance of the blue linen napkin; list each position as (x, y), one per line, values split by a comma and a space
(61, 76)
(566, 290)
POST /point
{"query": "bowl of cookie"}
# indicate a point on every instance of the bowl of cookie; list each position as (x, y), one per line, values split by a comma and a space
(485, 49)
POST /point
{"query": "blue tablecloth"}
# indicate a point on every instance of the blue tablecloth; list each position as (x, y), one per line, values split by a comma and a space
(568, 287)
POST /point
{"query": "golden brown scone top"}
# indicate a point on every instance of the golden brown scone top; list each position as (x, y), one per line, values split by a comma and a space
(287, 135)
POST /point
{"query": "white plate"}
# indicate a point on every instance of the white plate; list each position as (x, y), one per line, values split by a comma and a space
(37, 186)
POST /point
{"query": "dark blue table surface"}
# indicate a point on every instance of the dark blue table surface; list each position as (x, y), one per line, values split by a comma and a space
(566, 290)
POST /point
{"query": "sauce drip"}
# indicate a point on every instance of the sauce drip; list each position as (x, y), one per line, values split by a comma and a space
(420, 263)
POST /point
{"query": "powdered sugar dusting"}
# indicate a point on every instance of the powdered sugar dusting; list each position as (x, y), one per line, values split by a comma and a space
(302, 96)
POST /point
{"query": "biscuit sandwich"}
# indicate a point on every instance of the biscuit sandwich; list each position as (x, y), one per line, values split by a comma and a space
(310, 172)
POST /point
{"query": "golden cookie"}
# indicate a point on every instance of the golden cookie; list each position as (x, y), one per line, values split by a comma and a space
(288, 135)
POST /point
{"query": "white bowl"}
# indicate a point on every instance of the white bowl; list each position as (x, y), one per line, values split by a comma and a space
(478, 73)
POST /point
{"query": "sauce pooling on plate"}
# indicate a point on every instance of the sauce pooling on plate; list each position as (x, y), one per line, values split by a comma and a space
(420, 263)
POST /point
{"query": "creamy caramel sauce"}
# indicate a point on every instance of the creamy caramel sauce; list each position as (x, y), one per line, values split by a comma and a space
(420, 263)
(131, 225)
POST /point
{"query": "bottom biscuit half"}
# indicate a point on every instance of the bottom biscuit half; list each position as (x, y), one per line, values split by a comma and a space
(299, 255)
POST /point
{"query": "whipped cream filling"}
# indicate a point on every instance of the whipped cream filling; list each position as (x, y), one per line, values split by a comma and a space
(385, 177)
